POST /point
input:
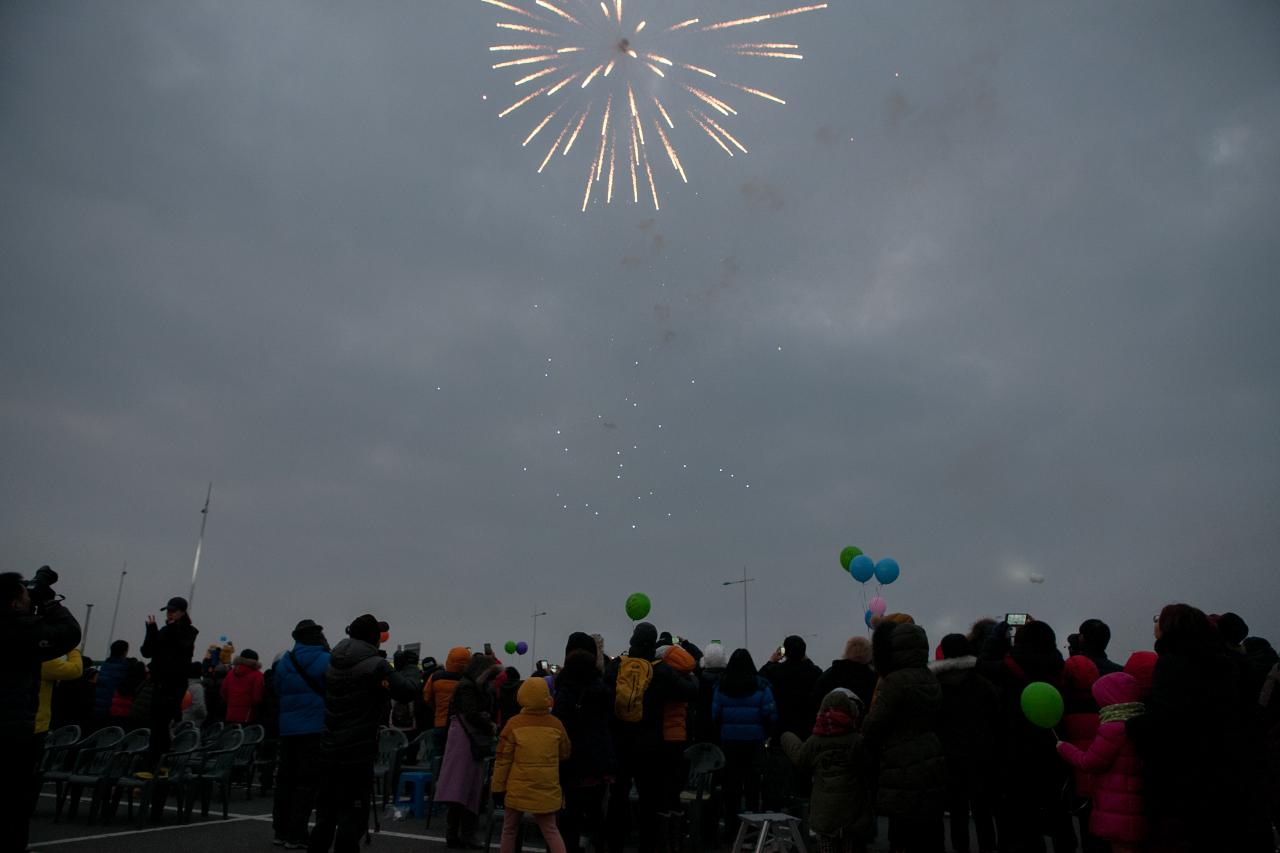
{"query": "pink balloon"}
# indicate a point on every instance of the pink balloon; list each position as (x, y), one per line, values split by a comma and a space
(878, 606)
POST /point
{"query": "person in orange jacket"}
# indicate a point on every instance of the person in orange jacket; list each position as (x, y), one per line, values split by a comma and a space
(675, 729)
(437, 693)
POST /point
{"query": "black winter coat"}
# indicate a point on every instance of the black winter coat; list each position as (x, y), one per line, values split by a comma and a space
(970, 721)
(792, 682)
(170, 650)
(584, 703)
(705, 729)
(850, 675)
(901, 727)
(28, 640)
(359, 687)
(667, 686)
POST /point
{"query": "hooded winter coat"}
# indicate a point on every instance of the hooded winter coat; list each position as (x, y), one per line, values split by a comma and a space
(968, 721)
(1118, 812)
(359, 686)
(675, 714)
(1080, 715)
(242, 691)
(666, 685)
(28, 640)
(51, 671)
(437, 693)
(746, 718)
(901, 727)
(585, 705)
(530, 749)
(842, 773)
(301, 705)
(170, 650)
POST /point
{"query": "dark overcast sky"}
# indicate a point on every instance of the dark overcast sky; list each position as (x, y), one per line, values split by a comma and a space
(995, 294)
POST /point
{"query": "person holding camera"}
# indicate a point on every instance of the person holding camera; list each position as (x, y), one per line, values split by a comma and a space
(170, 649)
(34, 628)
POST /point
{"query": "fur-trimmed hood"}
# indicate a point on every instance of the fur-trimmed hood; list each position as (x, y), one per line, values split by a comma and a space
(938, 667)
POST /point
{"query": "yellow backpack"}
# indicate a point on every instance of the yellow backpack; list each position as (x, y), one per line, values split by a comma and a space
(634, 675)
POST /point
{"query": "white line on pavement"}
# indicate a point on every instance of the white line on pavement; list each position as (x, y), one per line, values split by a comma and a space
(103, 835)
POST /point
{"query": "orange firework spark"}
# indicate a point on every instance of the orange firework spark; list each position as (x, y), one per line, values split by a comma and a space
(586, 41)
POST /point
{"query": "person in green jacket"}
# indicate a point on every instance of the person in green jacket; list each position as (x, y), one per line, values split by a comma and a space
(840, 809)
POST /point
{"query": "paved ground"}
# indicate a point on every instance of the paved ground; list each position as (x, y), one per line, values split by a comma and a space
(248, 828)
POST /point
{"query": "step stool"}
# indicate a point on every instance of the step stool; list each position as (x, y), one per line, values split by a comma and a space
(417, 783)
(768, 832)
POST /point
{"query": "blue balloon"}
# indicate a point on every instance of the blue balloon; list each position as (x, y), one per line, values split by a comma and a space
(867, 617)
(223, 638)
(862, 568)
(887, 570)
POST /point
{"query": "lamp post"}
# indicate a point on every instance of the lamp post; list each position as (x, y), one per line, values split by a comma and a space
(195, 568)
(533, 645)
(745, 580)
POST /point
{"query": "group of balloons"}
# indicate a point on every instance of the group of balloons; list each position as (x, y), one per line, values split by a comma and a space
(862, 569)
(514, 648)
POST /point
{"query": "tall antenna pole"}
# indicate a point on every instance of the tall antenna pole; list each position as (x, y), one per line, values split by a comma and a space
(116, 612)
(118, 591)
(746, 642)
(195, 569)
(84, 635)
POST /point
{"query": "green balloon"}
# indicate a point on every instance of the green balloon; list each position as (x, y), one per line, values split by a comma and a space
(1042, 703)
(510, 647)
(847, 554)
(638, 605)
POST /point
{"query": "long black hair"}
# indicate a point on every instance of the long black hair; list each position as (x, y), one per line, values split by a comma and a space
(740, 677)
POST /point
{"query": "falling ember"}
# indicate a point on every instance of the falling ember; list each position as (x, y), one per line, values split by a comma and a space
(565, 47)
(756, 19)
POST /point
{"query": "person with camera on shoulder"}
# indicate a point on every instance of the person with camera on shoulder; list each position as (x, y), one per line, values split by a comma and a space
(34, 628)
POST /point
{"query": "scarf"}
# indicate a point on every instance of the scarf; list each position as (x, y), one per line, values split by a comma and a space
(1121, 712)
(833, 721)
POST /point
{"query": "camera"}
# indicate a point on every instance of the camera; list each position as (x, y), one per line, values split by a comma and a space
(40, 586)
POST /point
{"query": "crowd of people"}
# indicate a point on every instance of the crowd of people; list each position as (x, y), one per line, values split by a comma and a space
(1176, 749)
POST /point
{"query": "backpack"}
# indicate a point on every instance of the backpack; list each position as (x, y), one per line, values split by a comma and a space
(634, 675)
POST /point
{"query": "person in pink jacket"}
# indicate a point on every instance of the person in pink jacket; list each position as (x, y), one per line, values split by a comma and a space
(1118, 811)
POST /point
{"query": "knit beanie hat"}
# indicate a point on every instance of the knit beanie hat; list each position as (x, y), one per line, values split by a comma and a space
(580, 642)
(366, 627)
(715, 656)
(249, 654)
(644, 639)
(1232, 629)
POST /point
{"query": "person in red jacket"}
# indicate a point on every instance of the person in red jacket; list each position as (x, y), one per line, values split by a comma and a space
(1080, 727)
(242, 689)
(1118, 810)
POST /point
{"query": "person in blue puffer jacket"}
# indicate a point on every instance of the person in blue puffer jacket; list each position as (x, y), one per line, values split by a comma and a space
(298, 681)
(744, 712)
(110, 674)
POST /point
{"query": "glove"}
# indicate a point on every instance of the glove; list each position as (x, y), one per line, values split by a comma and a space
(500, 799)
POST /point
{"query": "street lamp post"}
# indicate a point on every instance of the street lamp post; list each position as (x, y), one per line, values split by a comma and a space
(116, 612)
(533, 645)
(745, 580)
(84, 635)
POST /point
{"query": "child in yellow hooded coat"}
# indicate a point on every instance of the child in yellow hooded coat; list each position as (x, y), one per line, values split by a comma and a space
(526, 770)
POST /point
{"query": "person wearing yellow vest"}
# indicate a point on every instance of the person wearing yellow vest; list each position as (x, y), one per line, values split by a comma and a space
(66, 668)
(526, 769)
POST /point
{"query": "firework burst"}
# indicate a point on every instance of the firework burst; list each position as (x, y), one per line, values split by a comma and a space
(587, 70)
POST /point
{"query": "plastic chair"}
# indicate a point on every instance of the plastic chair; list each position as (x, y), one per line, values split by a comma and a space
(212, 732)
(89, 755)
(154, 788)
(123, 760)
(705, 760)
(214, 769)
(437, 759)
(57, 748)
(245, 760)
(391, 743)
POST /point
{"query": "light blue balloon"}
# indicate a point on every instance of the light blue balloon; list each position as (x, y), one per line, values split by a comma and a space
(887, 570)
(867, 617)
(862, 568)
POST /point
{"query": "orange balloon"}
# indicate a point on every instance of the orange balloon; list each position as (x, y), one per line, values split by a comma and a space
(386, 635)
